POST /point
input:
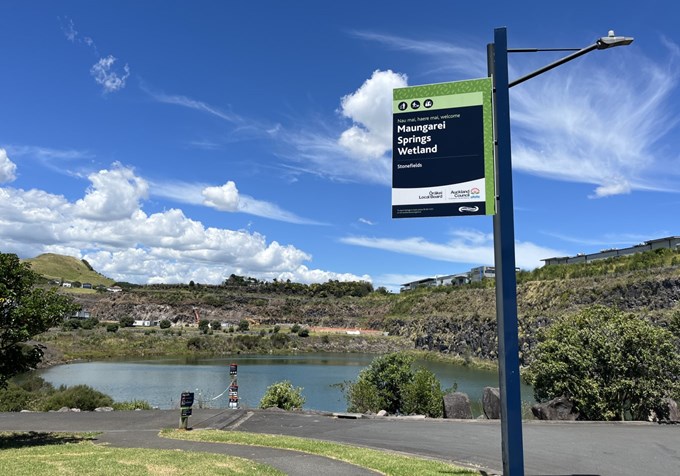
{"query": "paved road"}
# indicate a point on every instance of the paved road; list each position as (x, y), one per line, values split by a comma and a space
(581, 448)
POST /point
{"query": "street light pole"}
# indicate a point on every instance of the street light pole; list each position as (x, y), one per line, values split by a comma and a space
(504, 241)
(504, 253)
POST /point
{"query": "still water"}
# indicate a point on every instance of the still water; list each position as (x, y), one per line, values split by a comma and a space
(160, 381)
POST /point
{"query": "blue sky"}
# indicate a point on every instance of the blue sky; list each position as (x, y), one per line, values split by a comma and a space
(175, 141)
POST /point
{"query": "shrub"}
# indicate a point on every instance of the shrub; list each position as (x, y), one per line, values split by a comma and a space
(112, 327)
(204, 326)
(71, 324)
(243, 325)
(165, 324)
(195, 343)
(79, 396)
(279, 341)
(325, 339)
(282, 395)
(295, 329)
(90, 323)
(611, 365)
(303, 332)
(424, 395)
(390, 383)
(132, 405)
(126, 321)
(215, 325)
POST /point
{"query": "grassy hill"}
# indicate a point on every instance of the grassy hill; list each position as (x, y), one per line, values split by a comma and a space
(67, 268)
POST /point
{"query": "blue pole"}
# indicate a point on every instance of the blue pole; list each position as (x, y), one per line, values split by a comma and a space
(506, 281)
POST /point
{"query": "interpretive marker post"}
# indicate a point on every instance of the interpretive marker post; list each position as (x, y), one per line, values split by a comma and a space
(442, 151)
(186, 400)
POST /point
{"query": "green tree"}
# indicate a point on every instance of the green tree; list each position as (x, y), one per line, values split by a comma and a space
(283, 395)
(424, 395)
(165, 324)
(613, 366)
(389, 383)
(25, 311)
(243, 325)
(204, 326)
(216, 325)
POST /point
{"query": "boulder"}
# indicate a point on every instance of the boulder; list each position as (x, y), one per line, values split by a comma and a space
(457, 405)
(491, 403)
(559, 408)
(382, 413)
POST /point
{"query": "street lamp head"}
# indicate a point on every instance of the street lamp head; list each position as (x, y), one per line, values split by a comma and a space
(612, 40)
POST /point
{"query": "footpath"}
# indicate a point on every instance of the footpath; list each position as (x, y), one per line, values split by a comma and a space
(550, 448)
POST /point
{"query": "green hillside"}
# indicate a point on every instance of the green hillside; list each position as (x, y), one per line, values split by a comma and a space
(67, 268)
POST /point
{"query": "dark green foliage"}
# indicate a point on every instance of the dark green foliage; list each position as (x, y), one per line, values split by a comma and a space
(325, 339)
(132, 405)
(243, 325)
(87, 265)
(295, 329)
(89, 324)
(424, 395)
(613, 366)
(165, 324)
(196, 343)
(204, 326)
(112, 327)
(25, 312)
(78, 396)
(279, 340)
(283, 395)
(304, 332)
(215, 325)
(71, 324)
(126, 321)
(391, 384)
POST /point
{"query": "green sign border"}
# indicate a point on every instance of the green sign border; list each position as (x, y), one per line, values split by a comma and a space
(471, 92)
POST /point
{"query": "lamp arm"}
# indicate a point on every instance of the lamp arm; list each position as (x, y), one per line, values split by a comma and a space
(555, 64)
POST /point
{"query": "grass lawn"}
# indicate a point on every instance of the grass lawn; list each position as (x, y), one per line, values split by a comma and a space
(382, 461)
(31, 454)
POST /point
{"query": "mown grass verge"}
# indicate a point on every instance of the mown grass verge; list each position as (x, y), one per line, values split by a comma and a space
(382, 461)
(28, 454)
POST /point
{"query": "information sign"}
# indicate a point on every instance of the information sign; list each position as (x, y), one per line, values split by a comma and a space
(442, 154)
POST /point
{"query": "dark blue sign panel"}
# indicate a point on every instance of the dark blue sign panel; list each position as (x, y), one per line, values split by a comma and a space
(443, 150)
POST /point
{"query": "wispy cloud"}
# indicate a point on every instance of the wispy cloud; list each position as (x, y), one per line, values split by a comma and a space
(610, 239)
(109, 77)
(53, 159)
(225, 198)
(466, 246)
(601, 123)
(185, 101)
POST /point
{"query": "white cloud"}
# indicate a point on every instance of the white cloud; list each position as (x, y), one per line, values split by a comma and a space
(599, 122)
(109, 229)
(466, 246)
(184, 101)
(366, 221)
(107, 77)
(7, 168)
(224, 198)
(114, 194)
(370, 108)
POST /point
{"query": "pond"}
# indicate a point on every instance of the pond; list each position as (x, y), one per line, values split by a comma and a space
(160, 381)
